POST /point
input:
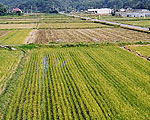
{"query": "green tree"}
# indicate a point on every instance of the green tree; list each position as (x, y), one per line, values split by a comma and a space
(3, 9)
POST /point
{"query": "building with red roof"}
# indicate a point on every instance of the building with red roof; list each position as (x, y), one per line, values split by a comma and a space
(17, 10)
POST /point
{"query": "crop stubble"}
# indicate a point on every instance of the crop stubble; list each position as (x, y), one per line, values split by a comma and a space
(90, 35)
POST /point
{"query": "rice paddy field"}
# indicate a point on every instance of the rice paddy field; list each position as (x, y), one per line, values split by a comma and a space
(69, 69)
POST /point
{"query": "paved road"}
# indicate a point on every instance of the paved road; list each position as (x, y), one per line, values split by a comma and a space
(114, 23)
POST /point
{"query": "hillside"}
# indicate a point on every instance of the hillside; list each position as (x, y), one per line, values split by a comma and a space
(48, 5)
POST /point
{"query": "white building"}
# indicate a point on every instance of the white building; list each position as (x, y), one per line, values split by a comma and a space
(134, 13)
(100, 11)
(122, 10)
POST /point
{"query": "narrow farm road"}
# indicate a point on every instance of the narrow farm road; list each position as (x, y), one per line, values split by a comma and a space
(114, 23)
(124, 25)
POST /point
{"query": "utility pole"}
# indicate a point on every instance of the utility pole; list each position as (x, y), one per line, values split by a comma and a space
(27, 11)
(36, 9)
(24, 10)
(144, 15)
(31, 10)
(53, 7)
(99, 16)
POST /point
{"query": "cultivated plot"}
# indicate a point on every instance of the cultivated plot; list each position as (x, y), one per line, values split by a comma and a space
(82, 83)
(90, 35)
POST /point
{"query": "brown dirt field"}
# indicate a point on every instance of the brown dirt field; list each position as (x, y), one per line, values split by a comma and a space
(90, 35)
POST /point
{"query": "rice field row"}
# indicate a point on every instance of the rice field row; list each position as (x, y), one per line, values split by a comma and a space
(81, 83)
(90, 35)
(14, 37)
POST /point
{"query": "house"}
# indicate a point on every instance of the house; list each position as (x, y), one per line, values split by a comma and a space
(100, 11)
(16, 10)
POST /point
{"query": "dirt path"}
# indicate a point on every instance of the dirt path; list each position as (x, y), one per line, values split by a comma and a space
(5, 33)
(31, 38)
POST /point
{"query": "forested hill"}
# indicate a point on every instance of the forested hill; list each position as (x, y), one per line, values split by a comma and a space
(48, 5)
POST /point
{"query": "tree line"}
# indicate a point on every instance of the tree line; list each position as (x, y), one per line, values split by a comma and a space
(69, 5)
